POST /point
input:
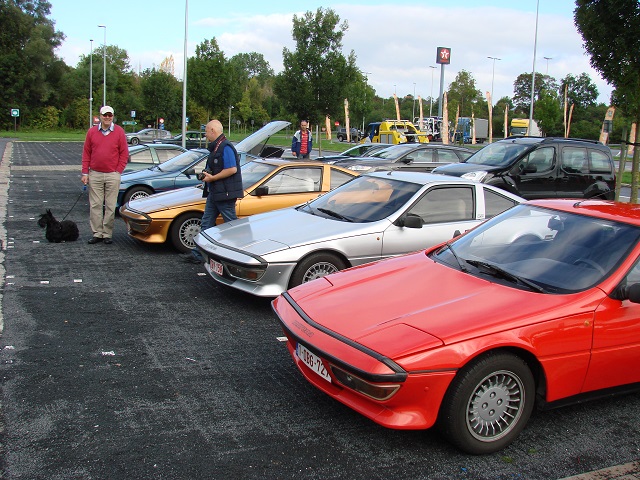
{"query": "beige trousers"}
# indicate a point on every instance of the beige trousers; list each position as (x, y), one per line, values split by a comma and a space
(103, 196)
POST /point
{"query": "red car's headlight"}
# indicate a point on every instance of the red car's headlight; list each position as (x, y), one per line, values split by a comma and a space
(373, 390)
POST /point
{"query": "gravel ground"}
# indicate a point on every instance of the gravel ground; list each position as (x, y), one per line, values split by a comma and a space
(120, 362)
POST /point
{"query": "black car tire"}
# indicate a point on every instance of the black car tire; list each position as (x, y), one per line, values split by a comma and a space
(315, 266)
(135, 141)
(134, 193)
(184, 229)
(341, 138)
(488, 403)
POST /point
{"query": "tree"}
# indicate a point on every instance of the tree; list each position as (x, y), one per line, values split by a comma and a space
(30, 69)
(522, 91)
(610, 33)
(209, 80)
(314, 81)
(581, 91)
(162, 97)
(463, 93)
(548, 114)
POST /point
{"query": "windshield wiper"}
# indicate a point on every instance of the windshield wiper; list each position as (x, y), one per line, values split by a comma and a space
(334, 214)
(497, 271)
(453, 252)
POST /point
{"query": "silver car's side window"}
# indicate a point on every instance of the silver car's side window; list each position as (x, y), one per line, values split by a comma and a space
(445, 204)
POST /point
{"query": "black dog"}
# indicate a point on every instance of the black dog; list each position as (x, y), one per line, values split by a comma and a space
(64, 231)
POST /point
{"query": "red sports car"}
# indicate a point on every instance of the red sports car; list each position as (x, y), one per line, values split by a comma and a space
(540, 304)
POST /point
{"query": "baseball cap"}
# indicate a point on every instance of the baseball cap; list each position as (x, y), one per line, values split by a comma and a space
(106, 109)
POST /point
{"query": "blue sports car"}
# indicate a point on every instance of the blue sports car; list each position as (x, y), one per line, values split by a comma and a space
(183, 170)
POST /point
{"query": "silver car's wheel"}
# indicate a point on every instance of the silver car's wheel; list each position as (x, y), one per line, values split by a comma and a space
(135, 141)
(184, 230)
(316, 266)
(488, 403)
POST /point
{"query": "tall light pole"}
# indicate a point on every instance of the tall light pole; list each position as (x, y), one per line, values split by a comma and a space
(184, 77)
(366, 76)
(533, 73)
(104, 66)
(230, 108)
(547, 59)
(431, 96)
(91, 85)
(493, 73)
(414, 102)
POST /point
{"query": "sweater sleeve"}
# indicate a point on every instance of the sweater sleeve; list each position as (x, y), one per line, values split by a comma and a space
(123, 149)
(86, 152)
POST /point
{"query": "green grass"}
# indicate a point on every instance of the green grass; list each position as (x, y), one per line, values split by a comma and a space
(79, 136)
(46, 135)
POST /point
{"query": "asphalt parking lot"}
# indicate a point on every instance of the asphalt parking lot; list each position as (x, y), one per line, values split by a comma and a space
(120, 362)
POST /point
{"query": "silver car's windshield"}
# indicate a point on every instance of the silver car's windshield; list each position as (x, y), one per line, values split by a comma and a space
(364, 199)
(556, 251)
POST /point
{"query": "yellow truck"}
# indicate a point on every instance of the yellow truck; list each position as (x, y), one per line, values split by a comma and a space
(394, 132)
(519, 127)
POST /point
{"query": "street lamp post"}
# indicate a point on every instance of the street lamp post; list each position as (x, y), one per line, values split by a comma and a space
(431, 96)
(104, 66)
(366, 76)
(230, 108)
(533, 73)
(91, 85)
(493, 73)
(184, 76)
(414, 102)
(547, 59)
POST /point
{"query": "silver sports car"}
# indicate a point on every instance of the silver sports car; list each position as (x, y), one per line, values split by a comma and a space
(370, 218)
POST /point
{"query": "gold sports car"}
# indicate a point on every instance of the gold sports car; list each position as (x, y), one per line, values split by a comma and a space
(269, 184)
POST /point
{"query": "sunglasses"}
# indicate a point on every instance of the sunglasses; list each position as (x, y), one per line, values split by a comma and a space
(107, 115)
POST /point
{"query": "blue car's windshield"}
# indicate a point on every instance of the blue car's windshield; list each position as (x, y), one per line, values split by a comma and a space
(183, 160)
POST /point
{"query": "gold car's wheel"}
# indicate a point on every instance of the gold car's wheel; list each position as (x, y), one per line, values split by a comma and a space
(184, 230)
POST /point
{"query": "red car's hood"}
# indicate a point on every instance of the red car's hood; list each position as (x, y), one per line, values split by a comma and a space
(406, 304)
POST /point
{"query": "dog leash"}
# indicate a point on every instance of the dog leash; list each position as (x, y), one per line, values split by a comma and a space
(84, 189)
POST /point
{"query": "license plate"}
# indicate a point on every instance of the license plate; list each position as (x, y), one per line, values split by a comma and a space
(312, 361)
(216, 267)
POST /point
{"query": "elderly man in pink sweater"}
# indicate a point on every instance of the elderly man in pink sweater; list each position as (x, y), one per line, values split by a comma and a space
(104, 158)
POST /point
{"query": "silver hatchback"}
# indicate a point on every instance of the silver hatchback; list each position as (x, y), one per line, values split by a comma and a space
(369, 218)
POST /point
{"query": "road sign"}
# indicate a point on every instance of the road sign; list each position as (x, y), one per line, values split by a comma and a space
(133, 114)
(15, 112)
(129, 122)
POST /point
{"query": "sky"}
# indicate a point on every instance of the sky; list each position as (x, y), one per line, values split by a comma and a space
(395, 43)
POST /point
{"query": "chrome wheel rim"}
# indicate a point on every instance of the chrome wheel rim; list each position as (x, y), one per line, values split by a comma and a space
(495, 406)
(188, 231)
(318, 270)
(138, 195)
